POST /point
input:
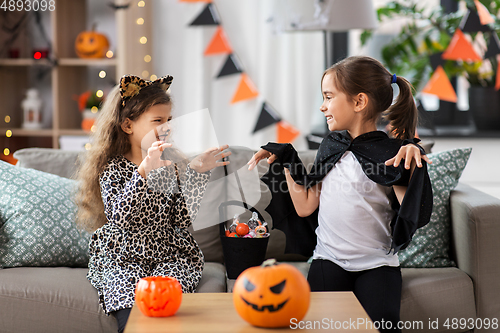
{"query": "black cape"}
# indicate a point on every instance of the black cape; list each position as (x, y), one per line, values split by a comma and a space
(371, 150)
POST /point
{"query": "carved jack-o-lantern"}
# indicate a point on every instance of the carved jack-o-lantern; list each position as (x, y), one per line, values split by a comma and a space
(91, 44)
(158, 296)
(271, 294)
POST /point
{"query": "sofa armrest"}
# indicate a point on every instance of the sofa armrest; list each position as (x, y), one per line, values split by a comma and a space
(475, 218)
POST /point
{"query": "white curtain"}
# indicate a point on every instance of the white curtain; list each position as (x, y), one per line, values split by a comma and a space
(285, 68)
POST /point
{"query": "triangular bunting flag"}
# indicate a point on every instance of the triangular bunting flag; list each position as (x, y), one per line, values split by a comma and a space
(493, 46)
(246, 90)
(440, 85)
(460, 49)
(497, 83)
(218, 44)
(472, 23)
(231, 66)
(436, 60)
(314, 141)
(208, 16)
(286, 133)
(483, 13)
(267, 117)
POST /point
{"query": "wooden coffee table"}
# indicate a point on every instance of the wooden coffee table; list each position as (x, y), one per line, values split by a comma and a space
(214, 312)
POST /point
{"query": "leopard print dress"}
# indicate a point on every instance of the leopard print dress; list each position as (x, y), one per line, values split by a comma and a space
(146, 233)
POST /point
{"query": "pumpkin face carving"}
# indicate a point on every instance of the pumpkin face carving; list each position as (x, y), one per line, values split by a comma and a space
(271, 295)
(91, 44)
(158, 296)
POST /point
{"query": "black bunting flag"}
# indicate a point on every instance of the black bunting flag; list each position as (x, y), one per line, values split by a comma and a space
(208, 16)
(267, 117)
(231, 66)
(472, 23)
(436, 60)
(493, 46)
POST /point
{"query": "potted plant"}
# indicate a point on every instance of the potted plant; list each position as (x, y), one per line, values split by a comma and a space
(426, 34)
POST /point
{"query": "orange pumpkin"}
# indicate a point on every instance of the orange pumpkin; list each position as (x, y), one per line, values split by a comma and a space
(158, 296)
(271, 295)
(91, 44)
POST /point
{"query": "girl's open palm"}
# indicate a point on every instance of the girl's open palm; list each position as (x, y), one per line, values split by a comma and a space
(209, 159)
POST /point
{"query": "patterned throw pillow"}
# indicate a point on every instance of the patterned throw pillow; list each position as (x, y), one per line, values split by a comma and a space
(37, 225)
(431, 244)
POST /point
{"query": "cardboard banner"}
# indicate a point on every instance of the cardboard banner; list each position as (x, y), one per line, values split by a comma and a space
(493, 46)
(218, 44)
(460, 49)
(483, 13)
(208, 16)
(231, 66)
(246, 90)
(286, 133)
(471, 23)
(268, 116)
(440, 85)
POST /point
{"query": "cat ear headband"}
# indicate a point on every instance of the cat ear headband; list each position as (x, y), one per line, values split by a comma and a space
(131, 85)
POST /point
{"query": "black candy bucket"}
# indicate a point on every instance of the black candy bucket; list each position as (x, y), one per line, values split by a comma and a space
(241, 253)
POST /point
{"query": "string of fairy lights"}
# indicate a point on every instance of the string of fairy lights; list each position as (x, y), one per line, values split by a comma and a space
(143, 40)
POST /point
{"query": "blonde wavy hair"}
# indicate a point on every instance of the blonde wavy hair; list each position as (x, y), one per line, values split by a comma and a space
(108, 141)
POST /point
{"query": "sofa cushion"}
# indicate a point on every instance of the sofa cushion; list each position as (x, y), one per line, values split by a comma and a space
(430, 294)
(213, 279)
(50, 299)
(58, 162)
(37, 220)
(430, 246)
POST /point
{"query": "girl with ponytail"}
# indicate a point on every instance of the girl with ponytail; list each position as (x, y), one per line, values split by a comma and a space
(354, 200)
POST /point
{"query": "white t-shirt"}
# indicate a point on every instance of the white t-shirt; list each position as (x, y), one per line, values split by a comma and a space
(354, 219)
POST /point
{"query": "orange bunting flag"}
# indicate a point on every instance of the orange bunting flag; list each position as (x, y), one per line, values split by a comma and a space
(497, 83)
(483, 13)
(218, 44)
(460, 49)
(440, 85)
(286, 133)
(246, 90)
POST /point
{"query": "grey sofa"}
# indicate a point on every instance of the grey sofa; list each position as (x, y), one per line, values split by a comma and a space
(60, 299)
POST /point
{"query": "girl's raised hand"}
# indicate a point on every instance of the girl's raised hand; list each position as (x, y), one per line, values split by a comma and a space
(153, 159)
(408, 153)
(261, 154)
(209, 159)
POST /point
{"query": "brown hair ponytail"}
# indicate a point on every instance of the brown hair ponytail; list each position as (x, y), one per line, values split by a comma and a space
(361, 74)
(402, 115)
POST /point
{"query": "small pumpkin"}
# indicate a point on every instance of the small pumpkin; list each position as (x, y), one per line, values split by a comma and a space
(91, 44)
(271, 295)
(158, 296)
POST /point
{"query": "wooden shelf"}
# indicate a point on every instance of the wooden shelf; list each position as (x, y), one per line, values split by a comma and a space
(73, 132)
(87, 62)
(24, 62)
(27, 132)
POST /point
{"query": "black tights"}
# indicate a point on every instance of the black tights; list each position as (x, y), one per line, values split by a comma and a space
(121, 317)
(378, 290)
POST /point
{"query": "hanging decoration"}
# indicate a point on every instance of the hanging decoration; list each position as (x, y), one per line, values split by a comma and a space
(484, 15)
(440, 85)
(497, 82)
(472, 23)
(246, 90)
(208, 16)
(493, 46)
(268, 116)
(231, 66)
(218, 44)
(286, 132)
(460, 49)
